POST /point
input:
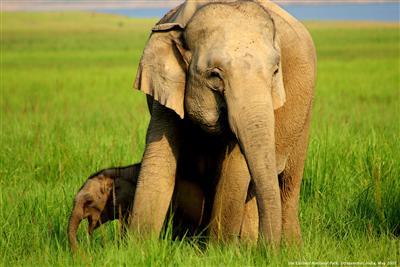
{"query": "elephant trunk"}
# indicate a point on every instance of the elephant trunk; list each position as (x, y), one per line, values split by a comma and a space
(73, 224)
(252, 121)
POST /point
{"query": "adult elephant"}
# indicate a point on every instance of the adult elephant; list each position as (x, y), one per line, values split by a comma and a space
(233, 82)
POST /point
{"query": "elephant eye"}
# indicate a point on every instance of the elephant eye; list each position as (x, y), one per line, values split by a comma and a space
(88, 204)
(276, 69)
(214, 80)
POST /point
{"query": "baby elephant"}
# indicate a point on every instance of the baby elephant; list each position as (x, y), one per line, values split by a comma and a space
(108, 195)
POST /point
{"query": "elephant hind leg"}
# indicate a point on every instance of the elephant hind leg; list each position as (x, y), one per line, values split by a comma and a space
(290, 183)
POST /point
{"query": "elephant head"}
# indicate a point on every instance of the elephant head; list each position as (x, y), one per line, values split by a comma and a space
(105, 196)
(221, 68)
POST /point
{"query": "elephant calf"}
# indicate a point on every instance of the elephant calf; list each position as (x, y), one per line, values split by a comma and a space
(108, 195)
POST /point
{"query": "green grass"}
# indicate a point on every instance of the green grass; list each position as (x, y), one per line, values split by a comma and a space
(68, 109)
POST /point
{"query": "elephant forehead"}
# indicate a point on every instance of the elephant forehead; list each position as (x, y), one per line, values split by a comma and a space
(235, 53)
(239, 20)
(99, 184)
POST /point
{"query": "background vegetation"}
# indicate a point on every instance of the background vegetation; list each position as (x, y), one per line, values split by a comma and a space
(68, 109)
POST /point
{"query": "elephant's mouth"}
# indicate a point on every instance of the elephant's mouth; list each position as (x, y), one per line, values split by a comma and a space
(213, 129)
(220, 126)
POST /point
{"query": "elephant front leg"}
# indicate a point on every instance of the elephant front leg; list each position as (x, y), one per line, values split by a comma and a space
(230, 197)
(156, 180)
(249, 228)
(290, 183)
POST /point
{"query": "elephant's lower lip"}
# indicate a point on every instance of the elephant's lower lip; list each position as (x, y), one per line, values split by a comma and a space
(213, 127)
(217, 128)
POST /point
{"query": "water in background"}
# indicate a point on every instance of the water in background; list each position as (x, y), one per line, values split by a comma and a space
(372, 12)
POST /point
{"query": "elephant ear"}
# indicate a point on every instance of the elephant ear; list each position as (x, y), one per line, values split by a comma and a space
(95, 194)
(89, 203)
(162, 69)
(278, 88)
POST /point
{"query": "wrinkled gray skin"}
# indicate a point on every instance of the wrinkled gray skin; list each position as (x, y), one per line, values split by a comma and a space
(233, 84)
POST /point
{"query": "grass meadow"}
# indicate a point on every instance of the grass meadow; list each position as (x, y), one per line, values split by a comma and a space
(68, 108)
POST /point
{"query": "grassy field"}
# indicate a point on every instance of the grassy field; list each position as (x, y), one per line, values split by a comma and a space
(68, 109)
